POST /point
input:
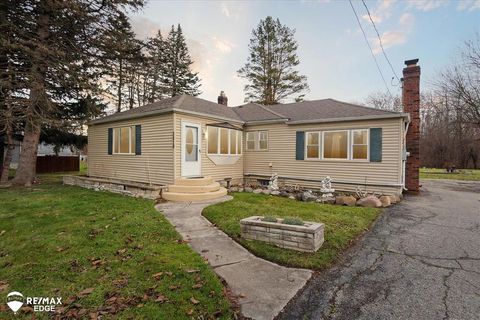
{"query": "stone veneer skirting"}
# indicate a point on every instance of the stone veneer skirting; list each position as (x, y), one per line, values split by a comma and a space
(308, 237)
(134, 189)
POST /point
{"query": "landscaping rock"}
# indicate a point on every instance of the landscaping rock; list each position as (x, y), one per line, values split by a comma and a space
(346, 201)
(257, 191)
(248, 189)
(394, 199)
(284, 194)
(385, 200)
(308, 196)
(275, 193)
(266, 191)
(327, 200)
(233, 189)
(369, 202)
(291, 197)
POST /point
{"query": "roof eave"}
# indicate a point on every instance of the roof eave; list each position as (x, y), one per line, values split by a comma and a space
(357, 118)
(268, 121)
(129, 116)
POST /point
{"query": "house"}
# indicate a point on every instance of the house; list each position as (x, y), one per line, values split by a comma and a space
(173, 140)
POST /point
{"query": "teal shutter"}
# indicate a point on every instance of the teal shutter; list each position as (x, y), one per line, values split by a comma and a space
(138, 139)
(300, 146)
(376, 145)
(110, 140)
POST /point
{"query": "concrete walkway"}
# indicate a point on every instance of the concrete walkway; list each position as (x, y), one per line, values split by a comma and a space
(263, 288)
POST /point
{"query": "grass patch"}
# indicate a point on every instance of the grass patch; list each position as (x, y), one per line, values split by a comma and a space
(59, 240)
(342, 226)
(462, 174)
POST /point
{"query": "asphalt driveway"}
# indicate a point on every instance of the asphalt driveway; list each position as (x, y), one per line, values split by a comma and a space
(421, 261)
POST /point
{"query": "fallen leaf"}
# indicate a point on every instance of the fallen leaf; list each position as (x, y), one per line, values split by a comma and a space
(194, 301)
(174, 287)
(161, 299)
(157, 275)
(61, 249)
(169, 273)
(212, 293)
(121, 251)
(192, 270)
(93, 315)
(197, 286)
(27, 309)
(70, 300)
(2, 232)
(120, 283)
(85, 292)
(3, 286)
(190, 312)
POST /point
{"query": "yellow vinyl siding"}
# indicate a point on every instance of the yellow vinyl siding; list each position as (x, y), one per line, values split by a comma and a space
(281, 155)
(218, 172)
(154, 165)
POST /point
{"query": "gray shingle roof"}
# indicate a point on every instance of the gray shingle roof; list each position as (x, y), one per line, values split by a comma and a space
(326, 109)
(308, 111)
(183, 102)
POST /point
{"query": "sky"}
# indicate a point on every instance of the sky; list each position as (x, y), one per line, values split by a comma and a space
(331, 47)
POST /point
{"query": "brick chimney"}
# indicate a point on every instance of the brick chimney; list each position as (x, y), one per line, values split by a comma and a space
(222, 99)
(411, 105)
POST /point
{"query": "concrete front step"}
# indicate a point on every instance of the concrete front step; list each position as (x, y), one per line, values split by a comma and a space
(194, 189)
(194, 197)
(203, 181)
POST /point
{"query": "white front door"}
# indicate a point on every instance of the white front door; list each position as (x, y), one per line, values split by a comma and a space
(191, 149)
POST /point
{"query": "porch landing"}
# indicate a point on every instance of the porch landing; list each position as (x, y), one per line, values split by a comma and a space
(263, 288)
(194, 189)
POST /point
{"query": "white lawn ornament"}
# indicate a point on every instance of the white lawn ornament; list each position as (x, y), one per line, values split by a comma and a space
(273, 184)
(327, 190)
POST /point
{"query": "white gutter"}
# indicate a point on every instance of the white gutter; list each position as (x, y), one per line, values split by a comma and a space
(157, 112)
(343, 119)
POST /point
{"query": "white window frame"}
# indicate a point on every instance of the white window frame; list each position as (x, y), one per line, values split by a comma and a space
(320, 143)
(266, 140)
(239, 143)
(353, 143)
(131, 132)
(256, 140)
(350, 140)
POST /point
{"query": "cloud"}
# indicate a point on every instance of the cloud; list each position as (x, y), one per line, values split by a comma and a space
(381, 12)
(468, 5)
(222, 45)
(395, 37)
(225, 10)
(427, 5)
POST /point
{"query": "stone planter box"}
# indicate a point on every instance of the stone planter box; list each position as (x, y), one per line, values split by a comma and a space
(308, 237)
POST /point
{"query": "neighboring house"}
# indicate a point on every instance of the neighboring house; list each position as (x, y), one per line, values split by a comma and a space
(302, 142)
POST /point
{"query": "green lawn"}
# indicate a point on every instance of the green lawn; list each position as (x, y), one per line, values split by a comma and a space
(342, 226)
(59, 241)
(462, 174)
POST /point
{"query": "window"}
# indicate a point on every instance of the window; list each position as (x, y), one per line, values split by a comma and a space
(212, 133)
(335, 144)
(124, 140)
(313, 145)
(262, 140)
(257, 140)
(360, 144)
(224, 141)
(251, 140)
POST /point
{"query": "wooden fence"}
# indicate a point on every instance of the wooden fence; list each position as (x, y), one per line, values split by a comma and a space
(50, 164)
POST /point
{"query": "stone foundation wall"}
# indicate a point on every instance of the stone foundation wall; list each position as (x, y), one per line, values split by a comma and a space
(302, 238)
(132, 189)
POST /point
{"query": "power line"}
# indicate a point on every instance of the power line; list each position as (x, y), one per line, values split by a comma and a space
(371, 51)
(380, 41)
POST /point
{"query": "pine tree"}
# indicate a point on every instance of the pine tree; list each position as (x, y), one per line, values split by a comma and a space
(123, 63)
(60, 44)
(179, 79)
(156, 68)
(270, 68)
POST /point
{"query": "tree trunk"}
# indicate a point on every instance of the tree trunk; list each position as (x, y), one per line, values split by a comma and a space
(8, 157)
(38, 101)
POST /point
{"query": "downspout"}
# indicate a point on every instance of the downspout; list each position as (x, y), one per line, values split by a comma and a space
(404, 155)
